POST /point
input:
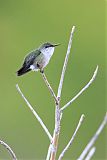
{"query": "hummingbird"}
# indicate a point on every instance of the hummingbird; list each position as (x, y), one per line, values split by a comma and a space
(37, 59)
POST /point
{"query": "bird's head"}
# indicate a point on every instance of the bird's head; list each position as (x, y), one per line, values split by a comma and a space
(48, 48)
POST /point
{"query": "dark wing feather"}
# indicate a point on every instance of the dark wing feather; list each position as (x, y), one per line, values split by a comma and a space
(22, 71)
(29, 60)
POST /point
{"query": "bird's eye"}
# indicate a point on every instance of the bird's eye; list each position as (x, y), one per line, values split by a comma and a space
(46, 46)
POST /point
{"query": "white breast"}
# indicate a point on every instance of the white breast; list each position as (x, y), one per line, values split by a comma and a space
(48, 52)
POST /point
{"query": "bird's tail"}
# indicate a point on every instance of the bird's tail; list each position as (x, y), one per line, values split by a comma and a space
(22, 71)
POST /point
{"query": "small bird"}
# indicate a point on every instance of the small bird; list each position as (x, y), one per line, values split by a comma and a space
(37, 59)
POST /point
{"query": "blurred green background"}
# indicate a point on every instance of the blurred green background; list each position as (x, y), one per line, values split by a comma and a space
(24, 25)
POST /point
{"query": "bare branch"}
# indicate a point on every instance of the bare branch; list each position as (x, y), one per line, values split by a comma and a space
(49, 87)
(72, 138)
(65, 64)
(49, 152)
(58, 114)
(9, 149)
(91, 153)
(35, 114)
(94, 138)
(82, 90)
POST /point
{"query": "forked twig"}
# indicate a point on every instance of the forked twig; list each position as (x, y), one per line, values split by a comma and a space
(52, 150)
(35, 114)
(94, 138)
(72, 138)
(9, 149)
(82, 90)
(57, 110)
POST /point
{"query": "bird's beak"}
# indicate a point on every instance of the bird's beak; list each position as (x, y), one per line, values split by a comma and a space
(55, 45)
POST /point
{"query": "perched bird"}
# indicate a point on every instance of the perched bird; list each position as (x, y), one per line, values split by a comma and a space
(37, 59)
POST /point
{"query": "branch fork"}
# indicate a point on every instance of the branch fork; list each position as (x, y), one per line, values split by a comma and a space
(52, 150)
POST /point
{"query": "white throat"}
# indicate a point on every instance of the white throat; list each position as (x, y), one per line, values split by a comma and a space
(48, 52)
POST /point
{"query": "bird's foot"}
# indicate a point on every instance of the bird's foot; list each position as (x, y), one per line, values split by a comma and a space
(41, 70)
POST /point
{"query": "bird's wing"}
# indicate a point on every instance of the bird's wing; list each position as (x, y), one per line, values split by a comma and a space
(29, 59)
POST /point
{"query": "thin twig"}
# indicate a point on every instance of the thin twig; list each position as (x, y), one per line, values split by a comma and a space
(56, 133)
(54, 144)
(82, 90)
(9, 149)
(49, 152)
(72, 138)
(91, 153)
(35, 114)
(65, 64)
(94, 138)
(49, 87)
